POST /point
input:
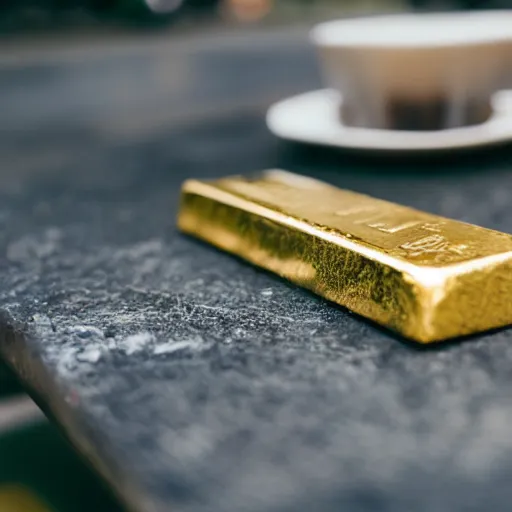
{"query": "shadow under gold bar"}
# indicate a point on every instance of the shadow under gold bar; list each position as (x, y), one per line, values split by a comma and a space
(424, 276)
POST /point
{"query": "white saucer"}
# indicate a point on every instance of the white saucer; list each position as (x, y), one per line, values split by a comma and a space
(314, 118)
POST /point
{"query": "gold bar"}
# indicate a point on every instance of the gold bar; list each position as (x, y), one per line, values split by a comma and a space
(424, 276)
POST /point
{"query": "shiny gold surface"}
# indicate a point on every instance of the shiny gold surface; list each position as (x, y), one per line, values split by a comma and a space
(424, 276)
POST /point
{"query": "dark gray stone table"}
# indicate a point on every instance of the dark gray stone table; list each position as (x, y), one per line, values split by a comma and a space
(191, 380)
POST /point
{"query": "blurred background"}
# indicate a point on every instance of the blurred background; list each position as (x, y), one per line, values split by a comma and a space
(75, 59)
(23, 16)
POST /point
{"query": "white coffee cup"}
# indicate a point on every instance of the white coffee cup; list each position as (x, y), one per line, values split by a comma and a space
(417, 71)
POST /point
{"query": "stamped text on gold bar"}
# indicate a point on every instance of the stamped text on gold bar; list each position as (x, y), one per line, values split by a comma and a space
(426, 277)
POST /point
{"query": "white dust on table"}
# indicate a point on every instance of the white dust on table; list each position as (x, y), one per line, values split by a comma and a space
(196, 344)
(135, 342)
(84, 346)
(89, 355)
(84, 331)
(34, 247)
(43, 323)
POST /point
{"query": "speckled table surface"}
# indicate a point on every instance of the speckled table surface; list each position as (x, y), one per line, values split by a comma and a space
(191, 380)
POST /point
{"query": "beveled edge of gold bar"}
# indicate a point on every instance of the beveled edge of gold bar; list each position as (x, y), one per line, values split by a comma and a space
(444, 302)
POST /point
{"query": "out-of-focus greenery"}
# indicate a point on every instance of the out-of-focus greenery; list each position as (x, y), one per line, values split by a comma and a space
(30, 15)
(36, 457)
(8, 383)
(16, 15)
(297, 9)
